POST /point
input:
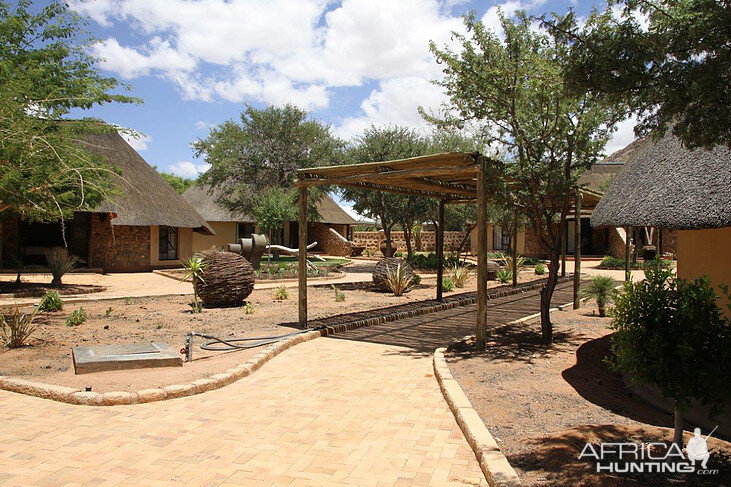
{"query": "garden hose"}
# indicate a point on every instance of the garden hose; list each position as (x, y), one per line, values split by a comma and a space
(216, 344)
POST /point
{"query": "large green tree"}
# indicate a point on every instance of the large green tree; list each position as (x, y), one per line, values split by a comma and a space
(515, 89)
(668, 61)
(46, 171)
(178, 183)
(262, 150)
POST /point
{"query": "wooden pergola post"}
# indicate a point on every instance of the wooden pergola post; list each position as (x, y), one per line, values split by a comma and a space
(627, 256)
(514, 248)
(577, 251)
(302, 257)
(481, 257)
(440, 249)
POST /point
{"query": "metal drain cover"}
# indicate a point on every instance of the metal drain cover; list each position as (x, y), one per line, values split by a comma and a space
(98, 358)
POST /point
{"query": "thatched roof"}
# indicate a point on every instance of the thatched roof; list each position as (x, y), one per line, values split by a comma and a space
(206, 203)
(666, 185)
(145, 199)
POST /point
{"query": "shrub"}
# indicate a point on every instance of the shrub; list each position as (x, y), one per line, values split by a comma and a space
(77, 317)
(670, 333)
(108, 312)
(540, 269)
(609, 262)
(416, 280)
(398, 279)
(249, 308)
(447, 285)
(429, 261)
(17, 327)
(507, 260)
(504, 275)
(194, 268)
(339, 295)
(532, 261)
(51, 301)
(60, 262)
(600, 288)
(281, 294)
(461, 274)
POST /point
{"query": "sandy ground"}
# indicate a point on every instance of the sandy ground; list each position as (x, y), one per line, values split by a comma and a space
(543, 404)
(168, 319)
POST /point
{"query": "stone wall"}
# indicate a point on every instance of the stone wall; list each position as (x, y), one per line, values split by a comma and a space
(327, 238)
(372, 240)
(116, 247)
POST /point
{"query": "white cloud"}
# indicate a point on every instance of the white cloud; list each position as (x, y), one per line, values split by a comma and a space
(129, 63)
(623, 136)
(137, 140)
(188, 169)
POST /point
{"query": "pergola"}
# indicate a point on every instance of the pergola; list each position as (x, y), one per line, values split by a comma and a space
(454, 177)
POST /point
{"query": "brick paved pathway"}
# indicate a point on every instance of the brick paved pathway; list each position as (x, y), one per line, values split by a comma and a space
(364, 410)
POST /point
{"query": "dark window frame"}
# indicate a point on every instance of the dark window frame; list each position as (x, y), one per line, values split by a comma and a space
(167, 246)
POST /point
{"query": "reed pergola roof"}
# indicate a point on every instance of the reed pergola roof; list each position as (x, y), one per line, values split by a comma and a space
(450, 176)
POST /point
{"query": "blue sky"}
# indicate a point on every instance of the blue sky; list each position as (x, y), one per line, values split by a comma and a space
(352, 63)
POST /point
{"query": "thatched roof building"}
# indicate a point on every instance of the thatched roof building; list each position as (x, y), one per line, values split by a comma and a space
(146, 199)
(206, 204)
(666, 185)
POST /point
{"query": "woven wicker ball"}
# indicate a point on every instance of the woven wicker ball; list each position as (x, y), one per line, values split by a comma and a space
(227, 280)
(380, 272)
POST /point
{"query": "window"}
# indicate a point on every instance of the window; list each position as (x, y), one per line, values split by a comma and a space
(244, 230)
(168, 243)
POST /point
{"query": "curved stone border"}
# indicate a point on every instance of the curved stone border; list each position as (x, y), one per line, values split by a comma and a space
(75, 396)
(494, 464)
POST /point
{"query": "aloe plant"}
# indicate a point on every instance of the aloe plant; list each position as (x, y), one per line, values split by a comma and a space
(601, 288)
(194, 268)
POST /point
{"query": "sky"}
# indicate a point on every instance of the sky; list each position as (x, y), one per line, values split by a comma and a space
(351, 63)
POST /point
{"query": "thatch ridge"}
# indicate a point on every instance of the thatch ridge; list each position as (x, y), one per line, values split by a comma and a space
(206, 204)
(665, 185)
(145, 199)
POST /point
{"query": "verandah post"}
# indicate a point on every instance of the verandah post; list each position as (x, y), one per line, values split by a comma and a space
(577, 251)
(440, 249)
(481, 257)
(302, 257)
(627, 256)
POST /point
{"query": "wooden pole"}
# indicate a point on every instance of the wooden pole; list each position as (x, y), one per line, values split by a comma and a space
(564, 239)
(577, 251)
(302, 261)
(627, 256)
(440, 249)
(481, 258)
(514, 249)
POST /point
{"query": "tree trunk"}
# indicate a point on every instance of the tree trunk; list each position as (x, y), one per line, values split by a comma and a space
(56, 281)
(407, 237)
(464, 241)
(678, 434)
(389, 242)
(547, 295)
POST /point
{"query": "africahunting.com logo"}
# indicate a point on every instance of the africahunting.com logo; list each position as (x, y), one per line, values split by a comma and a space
(653, 457)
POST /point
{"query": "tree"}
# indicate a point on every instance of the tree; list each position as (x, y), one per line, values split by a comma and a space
(46, 171)
(272, 208)
(385, 144)
(178, 183)
(264, 150)
(671, 334)
(515, 89)
(667, 61)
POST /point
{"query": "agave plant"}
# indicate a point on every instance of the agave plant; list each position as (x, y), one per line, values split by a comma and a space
(508, 261)
(461, 274)
(194, 268)
(504, 275)
(60, 262)
(17, 327)
(601, 288)
(398, 279)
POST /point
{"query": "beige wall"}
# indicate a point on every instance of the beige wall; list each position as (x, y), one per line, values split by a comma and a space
(225, 234)
(490, 240)
(185, 247)
(705, 252)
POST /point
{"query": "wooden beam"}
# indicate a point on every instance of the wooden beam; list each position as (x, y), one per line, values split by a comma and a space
(435, 193)
(433, 188)
(440, 249)
(627, 256)
(451, 159)
(302, 258)
(577, 251)
(481, 258)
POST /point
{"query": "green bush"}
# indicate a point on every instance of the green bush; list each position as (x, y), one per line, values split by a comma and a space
(281, 294)
(429, 261)
(532, 261)
(51, 301)
(416, 280)
(249, 308)
(447, 285)
(600, 288)
(504, 275)
(77, 317)
(540, 269)
(339, 295)
(670, 333)
(609, 262)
